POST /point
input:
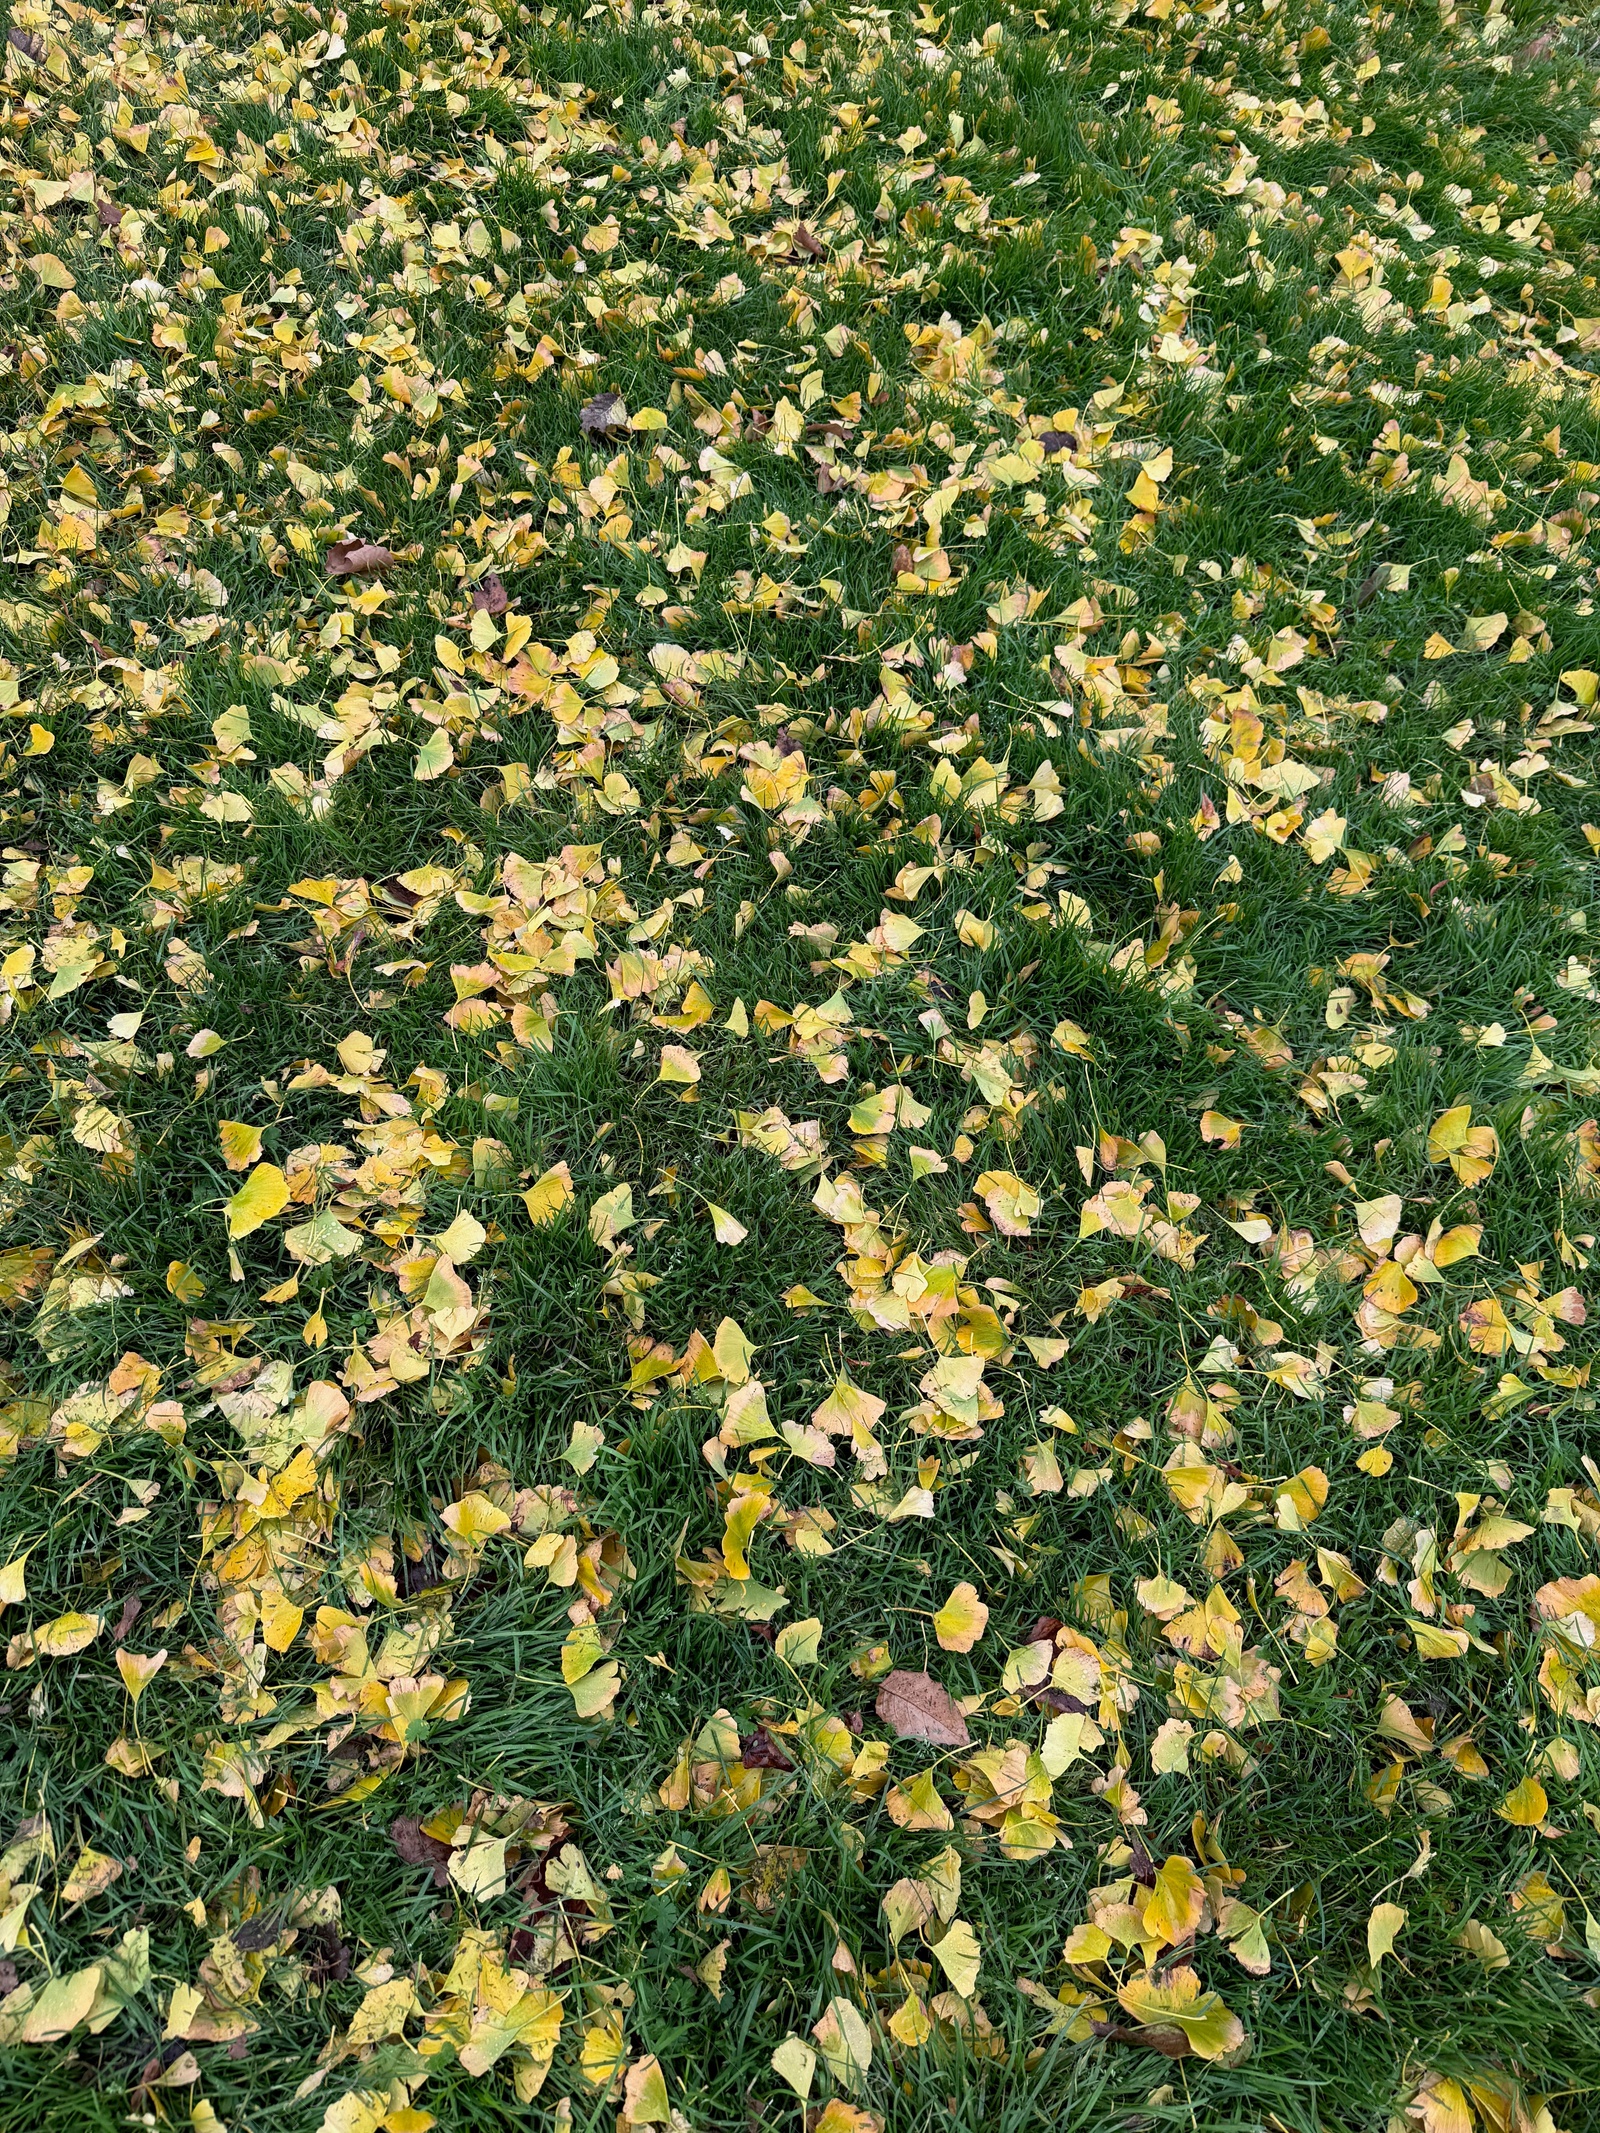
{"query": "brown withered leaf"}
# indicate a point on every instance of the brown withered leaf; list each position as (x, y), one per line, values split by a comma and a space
(603, 416)
(491, 595)
(353, 558)
(417, 1848)
(759, 1751)
(914, 1707)
(28, 42)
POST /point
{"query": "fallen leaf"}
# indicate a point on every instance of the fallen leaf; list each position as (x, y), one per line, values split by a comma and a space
(915, 1707)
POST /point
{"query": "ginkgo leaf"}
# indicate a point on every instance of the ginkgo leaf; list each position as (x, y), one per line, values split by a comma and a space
(475, 1519)
(959, 1957)
(796, 2063)
(545, 1199)
(962, 1620)
(727, 1229)
(138, 1670)
(1383, 1929)
(66, 1635)
(264, 1193)
(1179, 2001)
(434, 757)
(1525, 1805)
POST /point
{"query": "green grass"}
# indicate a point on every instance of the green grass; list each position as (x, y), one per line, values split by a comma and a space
(163, 554)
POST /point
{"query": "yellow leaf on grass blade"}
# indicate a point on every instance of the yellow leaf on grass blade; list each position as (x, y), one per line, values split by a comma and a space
(1216, 1126)
(726, 1228)
(241, 1145)
(66, 1635)
(1180, 2002)
(800, 1644)
(184, 1283)
(1176, 1903)
(138, 1670)
(61, 2006)
(434, 757)
(478, 1868)
(50, 271)
(679, 1066)
(962, 1620)
(795, 2062)
(610, 1215)
(1525, 1805)
(1480, 633)
(1434, 1641)
(1390, 1288)
(1383, 1929)
(40, 740)
(1469, 1150)
(844, 2041)
(546, 1197)
(1069, 1038)
(264, 1193)
(645, 2094)
(92, 1876)
(909, 2024)
(959, 1957)
(13, 1583)
(475, 1519)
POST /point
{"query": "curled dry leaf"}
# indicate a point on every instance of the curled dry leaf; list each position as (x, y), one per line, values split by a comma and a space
(417, 1848)
(606, 415)
(914, 1707)
(358, 559)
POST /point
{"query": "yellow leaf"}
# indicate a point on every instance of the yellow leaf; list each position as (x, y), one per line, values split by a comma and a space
(1390, 1289)
(679, 1065)
(264, 1193)
(909, 2024)
(184, 1283)
(1179, 2001)
(66, 1635)
(1215, 1126)
(475, 1519)
(138, 1670)
(645, 2091)
(1383, 1928)
(1525, 1805)
(795, 2062)
(241, 1145)
(727, 1229)
(1470, 1150)
(545, 1198)
(91, 1876)
(50, 272)
(1176, 1903)
(435, 756)
(962, 1620)
(959, 1957)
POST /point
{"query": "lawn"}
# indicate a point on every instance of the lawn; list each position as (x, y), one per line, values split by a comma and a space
(798, 1065)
